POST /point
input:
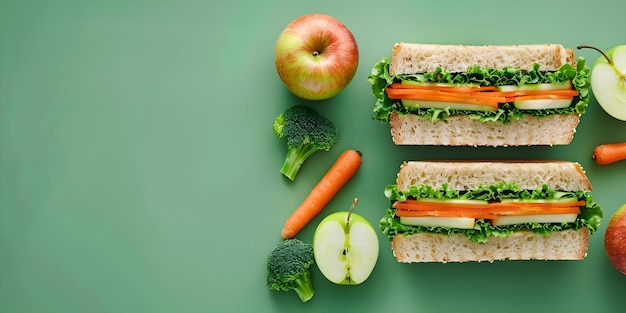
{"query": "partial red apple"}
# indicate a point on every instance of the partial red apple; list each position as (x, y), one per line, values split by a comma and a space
(615, 239)
(316, 56)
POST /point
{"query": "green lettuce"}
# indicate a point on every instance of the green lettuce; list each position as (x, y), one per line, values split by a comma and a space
(578, 75)
(590, 215)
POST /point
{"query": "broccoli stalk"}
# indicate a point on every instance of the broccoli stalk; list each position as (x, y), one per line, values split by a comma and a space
(288, 268)
(306, 132)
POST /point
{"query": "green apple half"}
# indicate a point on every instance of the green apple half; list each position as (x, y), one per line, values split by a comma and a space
(608, 82)
(345, 246)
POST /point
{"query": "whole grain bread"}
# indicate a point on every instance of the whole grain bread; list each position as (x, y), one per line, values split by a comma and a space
(414, 58)
(460, 130)
(468, 175)
(520, 245)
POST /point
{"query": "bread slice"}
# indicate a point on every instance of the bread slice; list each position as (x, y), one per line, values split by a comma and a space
(414, 58)
(521, 245)
(460, 130)
(469, 175)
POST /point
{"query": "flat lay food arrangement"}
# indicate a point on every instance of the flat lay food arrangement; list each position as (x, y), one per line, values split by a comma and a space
(456, 95)
(288, 156)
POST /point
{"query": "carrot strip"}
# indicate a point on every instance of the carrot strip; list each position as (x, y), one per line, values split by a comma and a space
(412, 207)
(437, 95)
(609, 153)
(412, 204)
(472, 95)
(337, 176)
(487, 214)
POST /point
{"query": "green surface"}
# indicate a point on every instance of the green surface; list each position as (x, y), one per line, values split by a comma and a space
(139, 171)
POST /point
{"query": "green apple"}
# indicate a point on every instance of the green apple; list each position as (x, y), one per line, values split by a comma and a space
(345, 246)
(615, 239)
(608, 81)
(316, 56)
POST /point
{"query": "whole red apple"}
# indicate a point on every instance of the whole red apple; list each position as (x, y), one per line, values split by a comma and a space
(316, 56)
(615, 239)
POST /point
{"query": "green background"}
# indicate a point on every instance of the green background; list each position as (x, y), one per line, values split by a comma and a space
(139, 171)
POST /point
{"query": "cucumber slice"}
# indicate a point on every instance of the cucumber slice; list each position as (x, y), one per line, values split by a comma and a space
(438, 221)
(426, 104)
(560, 200)
(565, 85)
(430, 84)
(538, 218)
(455, 201)
(542, 104)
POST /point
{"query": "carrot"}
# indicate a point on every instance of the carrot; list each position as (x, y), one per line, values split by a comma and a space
(486, 211)
(609, 153)
(342, 170)
(478, 98)
(473, 95)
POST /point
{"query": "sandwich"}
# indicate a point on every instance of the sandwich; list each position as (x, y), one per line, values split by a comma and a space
(462, 211)
(458, 95)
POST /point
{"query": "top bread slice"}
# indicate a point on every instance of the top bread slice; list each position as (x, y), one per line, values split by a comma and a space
(415, 58)
(469, 175)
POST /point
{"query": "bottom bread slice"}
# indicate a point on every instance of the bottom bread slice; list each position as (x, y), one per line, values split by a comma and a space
(555, 129)
(520, 245)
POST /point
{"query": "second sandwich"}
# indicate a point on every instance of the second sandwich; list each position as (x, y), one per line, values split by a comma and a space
(459, 211)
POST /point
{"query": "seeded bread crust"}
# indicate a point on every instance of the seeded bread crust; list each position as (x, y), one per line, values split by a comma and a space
(414, 58)
(469, 175)
(521, 245)
(460, 130)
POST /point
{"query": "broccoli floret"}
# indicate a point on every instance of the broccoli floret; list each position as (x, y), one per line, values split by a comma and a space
(288, 266)
(306, 132)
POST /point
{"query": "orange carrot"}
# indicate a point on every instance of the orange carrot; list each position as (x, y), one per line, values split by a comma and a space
(486, 211)
(609, 153)
(344, 168)
(478, 98)
(472, 95)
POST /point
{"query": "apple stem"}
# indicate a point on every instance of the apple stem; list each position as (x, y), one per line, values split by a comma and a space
(594, 48)
(354, 202)
(315, 53)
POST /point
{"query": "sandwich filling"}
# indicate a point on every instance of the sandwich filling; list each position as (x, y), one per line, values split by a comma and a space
(496, 210)
(482, 93)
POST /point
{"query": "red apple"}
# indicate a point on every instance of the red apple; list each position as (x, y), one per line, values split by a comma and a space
(615, 239)
(316, 56)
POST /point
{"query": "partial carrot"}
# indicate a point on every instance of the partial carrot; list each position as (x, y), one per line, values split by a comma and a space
(609, 153)
(337, 176)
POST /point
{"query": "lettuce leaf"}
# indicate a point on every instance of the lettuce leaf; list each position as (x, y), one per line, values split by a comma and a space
(579, 75)
(590, 215)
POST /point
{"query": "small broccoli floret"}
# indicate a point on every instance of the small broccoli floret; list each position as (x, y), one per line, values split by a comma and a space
(288, 268)
(306, 132)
